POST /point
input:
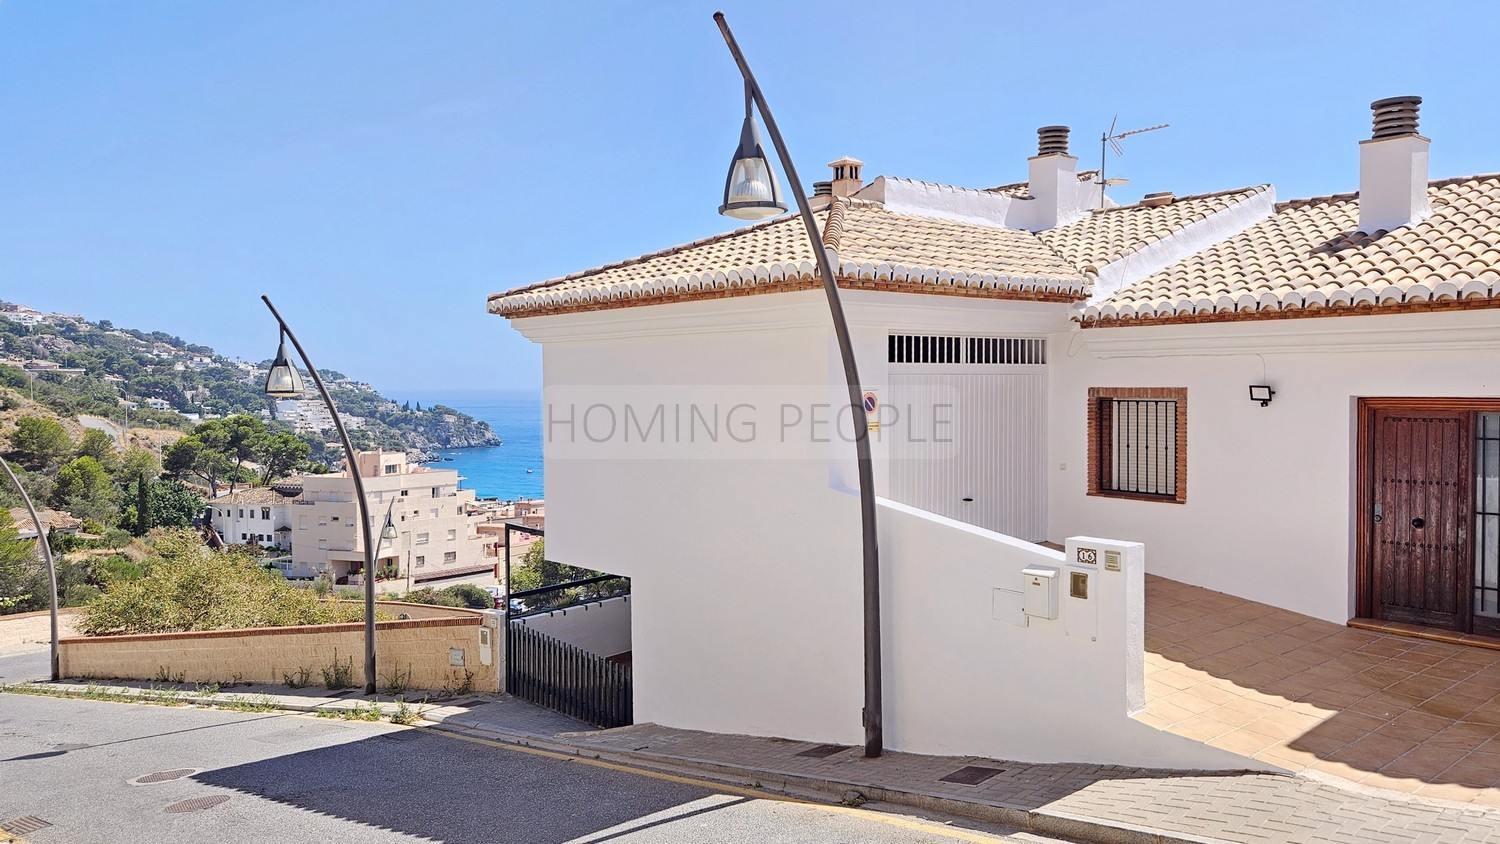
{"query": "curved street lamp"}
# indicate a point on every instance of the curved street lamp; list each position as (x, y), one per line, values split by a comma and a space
(41, 541)
(283, 381)
(753, 197)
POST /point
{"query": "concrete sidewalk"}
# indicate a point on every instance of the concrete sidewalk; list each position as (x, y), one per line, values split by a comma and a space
(1091, 802)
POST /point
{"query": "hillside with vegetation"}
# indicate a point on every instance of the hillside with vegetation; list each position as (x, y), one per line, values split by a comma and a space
(159, 381)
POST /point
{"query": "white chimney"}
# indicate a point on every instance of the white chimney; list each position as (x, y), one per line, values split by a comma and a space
(1393, 168)
(1053, 181)
(846, 178)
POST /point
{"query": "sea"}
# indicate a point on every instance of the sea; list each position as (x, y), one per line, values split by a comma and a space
(506, 472)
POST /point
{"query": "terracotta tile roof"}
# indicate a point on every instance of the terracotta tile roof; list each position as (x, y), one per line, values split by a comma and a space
(876, 248)
(872, 237)
(1308, 259)
(256, 495)
(1111, 234)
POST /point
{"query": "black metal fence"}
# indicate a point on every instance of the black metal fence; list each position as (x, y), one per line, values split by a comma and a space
(572, 681)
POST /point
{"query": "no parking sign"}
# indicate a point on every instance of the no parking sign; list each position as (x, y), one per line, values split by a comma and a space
(871, 404)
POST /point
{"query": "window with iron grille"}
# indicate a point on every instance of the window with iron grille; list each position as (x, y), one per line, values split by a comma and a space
(1138, 443)
(948, 348)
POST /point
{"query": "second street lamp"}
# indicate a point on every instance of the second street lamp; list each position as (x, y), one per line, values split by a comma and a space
(283, 381)
(46, 549)
(752, 198)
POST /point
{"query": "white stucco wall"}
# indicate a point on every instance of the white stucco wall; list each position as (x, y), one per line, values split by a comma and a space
(1270, 491)
(746, 605)
(599, 627)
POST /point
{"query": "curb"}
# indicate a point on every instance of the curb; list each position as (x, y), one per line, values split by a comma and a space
(1041, 821)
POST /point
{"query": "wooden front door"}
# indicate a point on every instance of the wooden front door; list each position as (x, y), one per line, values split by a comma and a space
(1421, 521)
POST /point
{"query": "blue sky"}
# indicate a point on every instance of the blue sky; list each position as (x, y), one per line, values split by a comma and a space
(378, 167)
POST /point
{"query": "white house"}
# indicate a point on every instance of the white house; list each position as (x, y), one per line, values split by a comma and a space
(1297, 402)
(437, 523)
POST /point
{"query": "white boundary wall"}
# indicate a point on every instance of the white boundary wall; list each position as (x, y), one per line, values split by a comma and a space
(599, 627)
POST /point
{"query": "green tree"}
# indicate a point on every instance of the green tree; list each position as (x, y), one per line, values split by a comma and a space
(40, 443)
(280, 454)
(98, 445)
(19, 569)
(173, 505)
(242, 437)
(192, 456)
(138, 474)
(84, 489)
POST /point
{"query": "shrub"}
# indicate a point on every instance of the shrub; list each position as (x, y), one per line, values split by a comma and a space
(188, 587)
(471, 596)
(429, 595)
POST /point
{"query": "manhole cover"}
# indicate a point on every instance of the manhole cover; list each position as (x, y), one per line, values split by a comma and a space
(21, 826)
(193, 804)
(163, 776)
(823, 751)
(971, 775)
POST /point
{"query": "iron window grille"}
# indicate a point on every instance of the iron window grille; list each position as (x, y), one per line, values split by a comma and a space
(1138, 443)
(947, 348)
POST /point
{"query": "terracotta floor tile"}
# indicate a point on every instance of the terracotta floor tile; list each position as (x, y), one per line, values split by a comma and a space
(1189, 701)
(1375, 753)
(1464, 736)
(1281, 733)
(1243, 742)
(1424, 762)
(1321, 746)
(1167, 712)
(1201, 728)
(1475, 773)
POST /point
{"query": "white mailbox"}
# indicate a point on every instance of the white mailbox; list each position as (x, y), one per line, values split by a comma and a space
(1039, 591)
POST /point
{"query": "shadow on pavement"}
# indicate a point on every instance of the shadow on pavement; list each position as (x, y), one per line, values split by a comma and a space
(426, 785)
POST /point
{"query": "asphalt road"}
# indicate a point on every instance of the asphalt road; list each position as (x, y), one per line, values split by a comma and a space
(293, 778)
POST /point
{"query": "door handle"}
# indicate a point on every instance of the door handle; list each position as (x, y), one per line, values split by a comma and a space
(1378, 513)
(1418, 522)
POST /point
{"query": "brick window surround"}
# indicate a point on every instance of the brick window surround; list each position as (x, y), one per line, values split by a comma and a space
(1098, 435)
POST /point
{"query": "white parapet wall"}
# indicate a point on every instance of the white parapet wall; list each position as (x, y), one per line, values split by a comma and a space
(968, 671)
(599, 627)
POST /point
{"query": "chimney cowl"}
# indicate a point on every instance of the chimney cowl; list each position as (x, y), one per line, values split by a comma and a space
(846, 176)
(1395, 116)
(822, 188)
(1393, 168)
(1153, 200)
(1052, 140)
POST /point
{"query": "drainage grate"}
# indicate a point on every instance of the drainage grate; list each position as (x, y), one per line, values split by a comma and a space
(193, 804)
(971, 775)
(823, 751)
(22, 826)
(163, 776)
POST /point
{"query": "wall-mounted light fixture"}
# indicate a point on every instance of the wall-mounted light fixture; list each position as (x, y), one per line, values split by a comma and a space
(1261, 393)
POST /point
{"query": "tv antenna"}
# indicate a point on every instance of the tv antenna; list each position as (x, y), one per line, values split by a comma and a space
(1111, 141)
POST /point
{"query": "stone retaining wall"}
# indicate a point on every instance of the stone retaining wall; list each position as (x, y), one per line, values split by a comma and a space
(425, 646)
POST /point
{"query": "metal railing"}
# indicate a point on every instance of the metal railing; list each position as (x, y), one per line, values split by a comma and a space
(566, 678)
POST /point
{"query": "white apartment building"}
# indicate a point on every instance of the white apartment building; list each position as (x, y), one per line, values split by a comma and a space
(435, 520)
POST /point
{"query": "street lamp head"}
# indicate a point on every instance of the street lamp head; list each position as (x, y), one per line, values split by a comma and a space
(750, 190)
(388, 533)
(283, 381)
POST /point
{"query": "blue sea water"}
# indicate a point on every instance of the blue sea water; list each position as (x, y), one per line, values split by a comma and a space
(497, 471)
